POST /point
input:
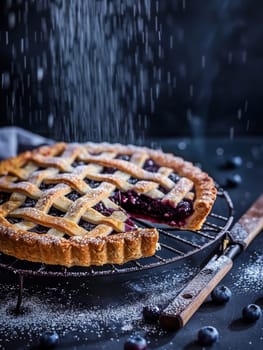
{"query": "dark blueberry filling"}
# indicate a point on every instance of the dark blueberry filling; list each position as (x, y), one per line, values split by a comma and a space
(147, 207)
(55, 212)
(86, 225)
(95, 154)
(13, 220)
(100, 207)
(77, 163)
(29, 203)
(124, 157)
(108, 170)
(133, 180)
(44, 186)
(39, 229)
(151, 166)
(129, 224)
(174, 177)
(4, 197)
(17, 181)
(163, 190)
(40, 168)
(92, 183)
(74, 195)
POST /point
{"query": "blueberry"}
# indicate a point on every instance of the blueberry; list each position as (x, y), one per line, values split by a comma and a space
(234, 162)
(135, 342)
(49, 340)
(184, 209)
(133, 180)
(221, 294)
(4, 197)
(151, 166)
(251, 313)
(208, 335)
(74, 195)
(108, 170)
(123, 157)
(29, 202)
(91, 183)
(151, 313)
(174, 177)
(233, 181)
(77, 163)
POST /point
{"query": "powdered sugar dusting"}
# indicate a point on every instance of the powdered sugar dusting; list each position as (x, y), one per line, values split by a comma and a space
(85, 312)
(249, 275)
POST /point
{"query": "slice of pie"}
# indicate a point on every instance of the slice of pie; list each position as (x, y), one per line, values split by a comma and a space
(73, 204)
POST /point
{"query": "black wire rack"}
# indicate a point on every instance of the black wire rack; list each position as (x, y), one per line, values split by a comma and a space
(175, 245)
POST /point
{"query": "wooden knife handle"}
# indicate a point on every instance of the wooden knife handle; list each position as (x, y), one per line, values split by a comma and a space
(181, 309)
(249, 225)
(187, 302)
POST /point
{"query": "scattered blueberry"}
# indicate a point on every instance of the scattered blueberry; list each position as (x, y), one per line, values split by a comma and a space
(251, 313)
(49, 340)
(234, 162)
(221, 294)
(135, 342)
(208, 335)
(151, 313)
(233, 181)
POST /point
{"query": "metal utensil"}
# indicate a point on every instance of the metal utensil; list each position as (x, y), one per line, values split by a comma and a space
(187, 302)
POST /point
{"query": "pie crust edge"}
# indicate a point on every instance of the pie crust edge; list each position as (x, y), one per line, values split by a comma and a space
(115, 249)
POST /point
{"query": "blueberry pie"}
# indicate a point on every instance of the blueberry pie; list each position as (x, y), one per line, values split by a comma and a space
(74, 204)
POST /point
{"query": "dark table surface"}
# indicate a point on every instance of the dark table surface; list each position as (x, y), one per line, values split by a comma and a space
(101, 313)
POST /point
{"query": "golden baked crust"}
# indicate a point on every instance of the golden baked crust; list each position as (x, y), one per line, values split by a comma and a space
(59, 178)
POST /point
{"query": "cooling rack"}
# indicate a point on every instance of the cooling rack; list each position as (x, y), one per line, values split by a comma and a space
(175, 245)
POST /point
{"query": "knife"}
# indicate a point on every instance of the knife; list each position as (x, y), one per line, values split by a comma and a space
(190, 298)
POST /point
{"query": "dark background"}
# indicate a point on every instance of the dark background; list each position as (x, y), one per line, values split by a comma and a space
(227, 100)
(223, 99)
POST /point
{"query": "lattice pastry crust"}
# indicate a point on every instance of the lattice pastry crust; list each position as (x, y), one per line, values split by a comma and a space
(71, 204)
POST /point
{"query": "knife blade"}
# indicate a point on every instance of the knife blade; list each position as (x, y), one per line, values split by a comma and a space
(190, 298)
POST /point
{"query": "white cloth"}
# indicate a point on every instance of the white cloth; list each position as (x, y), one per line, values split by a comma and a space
(13, 138)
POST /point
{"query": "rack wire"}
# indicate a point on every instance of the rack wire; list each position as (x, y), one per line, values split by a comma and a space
(174, 245)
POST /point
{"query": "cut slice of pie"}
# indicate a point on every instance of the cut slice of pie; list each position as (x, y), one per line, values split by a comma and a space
(73, 204)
